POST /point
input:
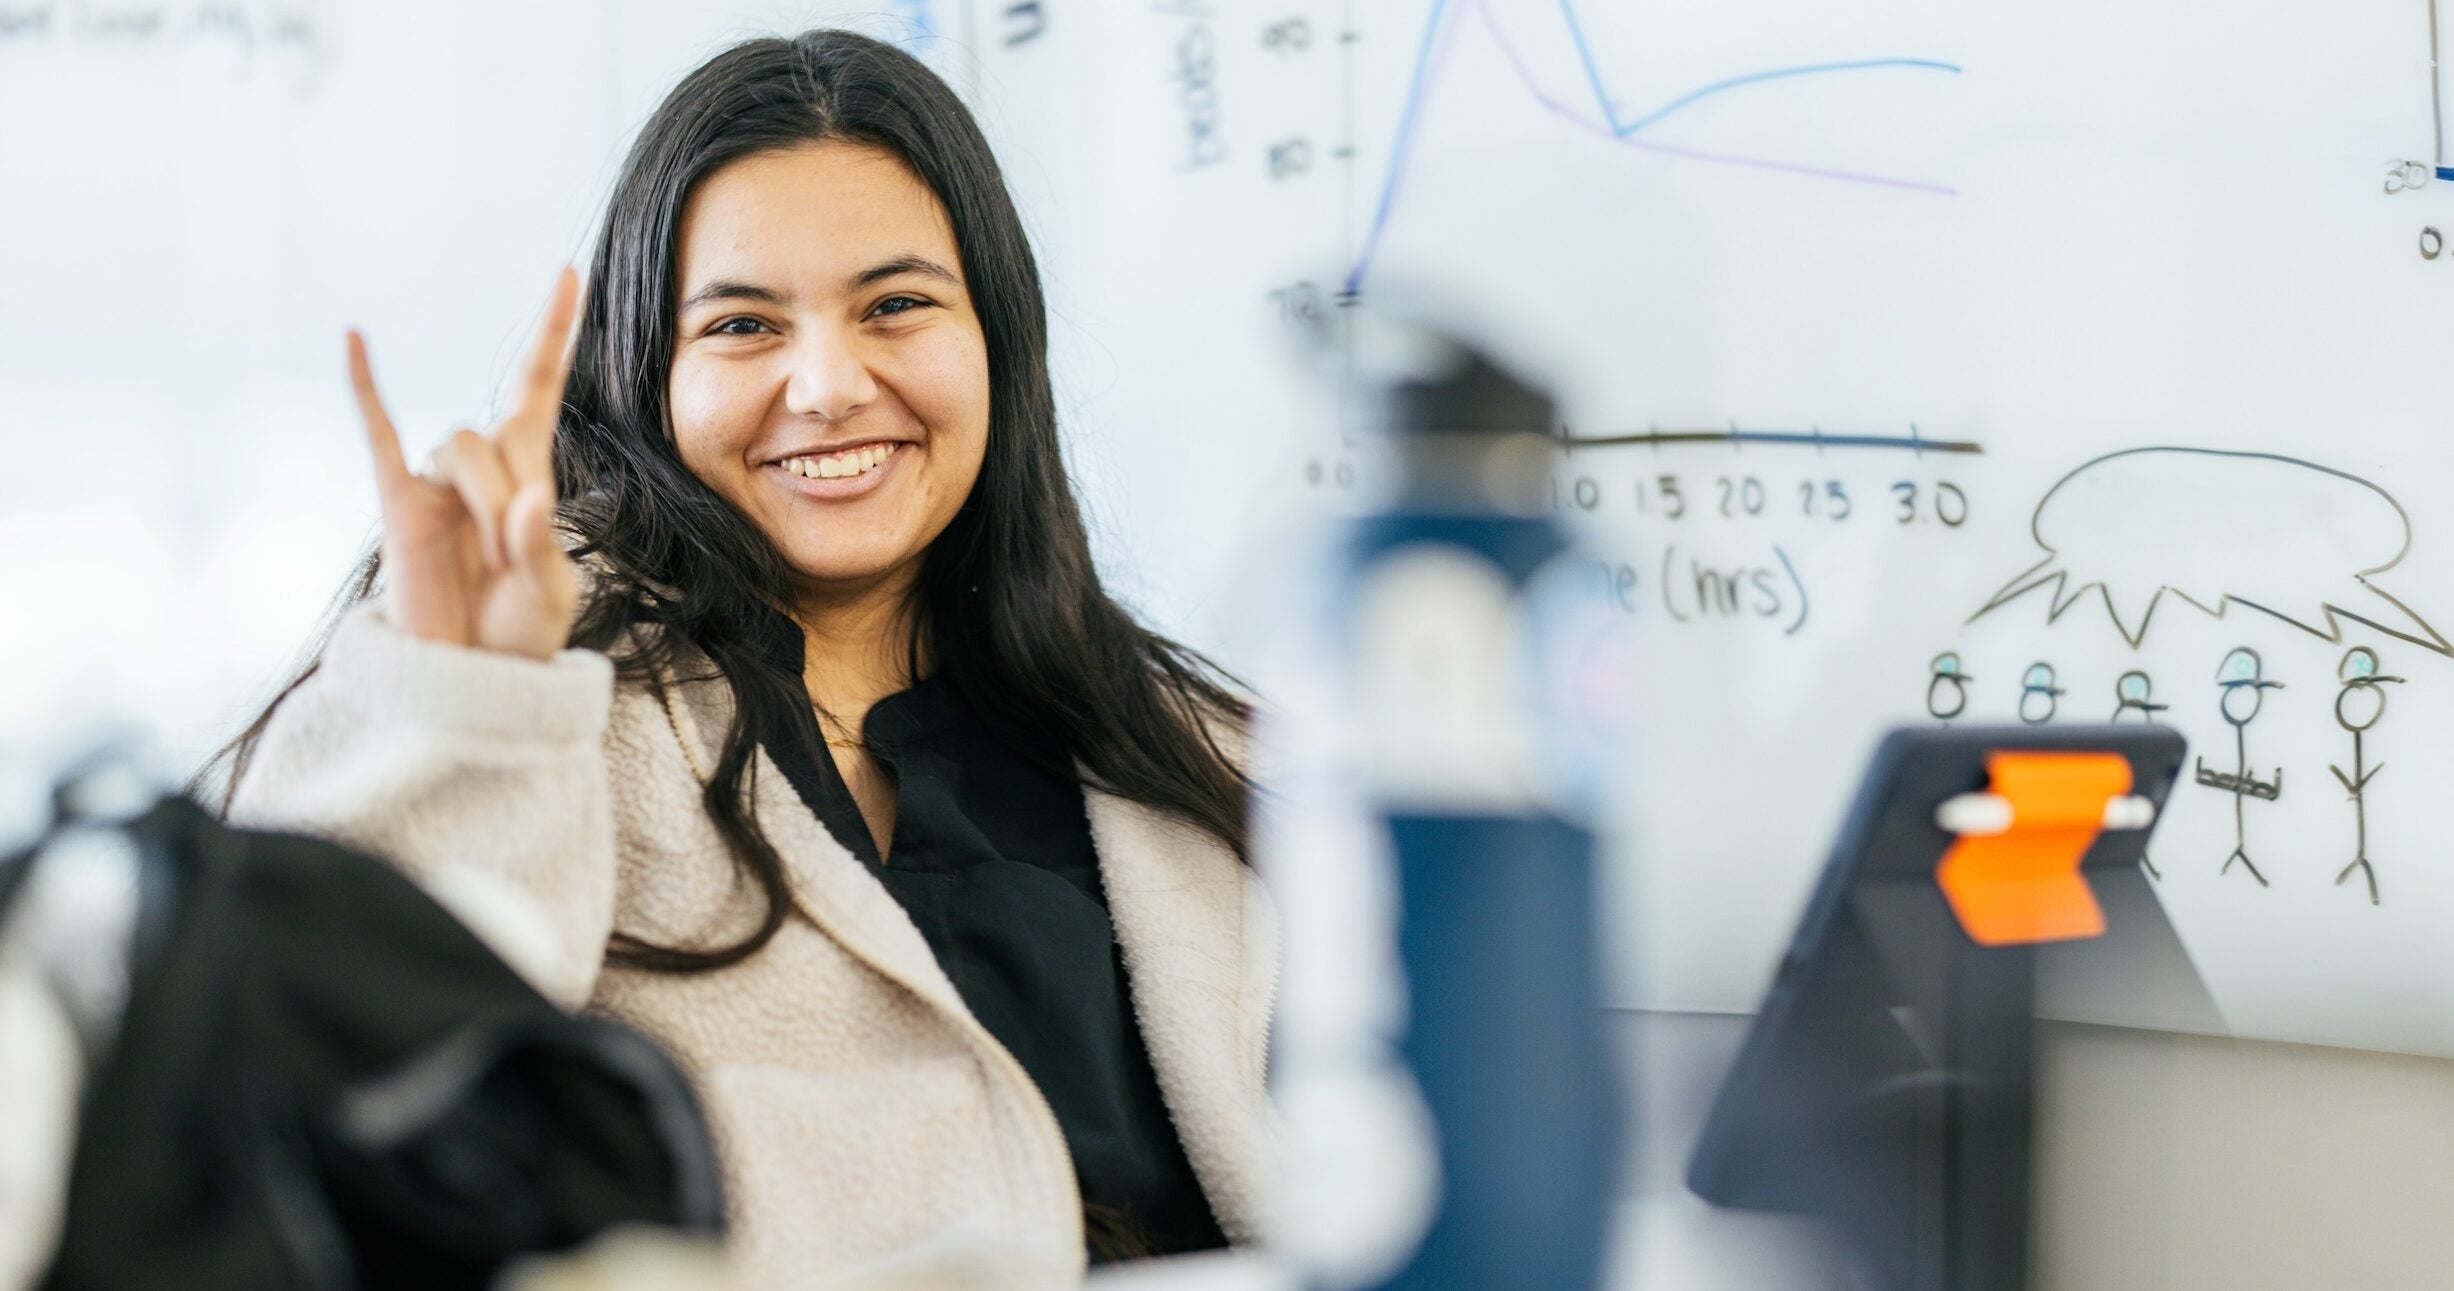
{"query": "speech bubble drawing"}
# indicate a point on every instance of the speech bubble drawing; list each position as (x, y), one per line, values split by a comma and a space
(2214, 528)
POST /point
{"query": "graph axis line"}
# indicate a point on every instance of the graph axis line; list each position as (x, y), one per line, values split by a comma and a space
(1915, 442)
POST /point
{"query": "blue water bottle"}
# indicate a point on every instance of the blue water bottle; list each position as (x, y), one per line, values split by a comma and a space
(1443, 1055)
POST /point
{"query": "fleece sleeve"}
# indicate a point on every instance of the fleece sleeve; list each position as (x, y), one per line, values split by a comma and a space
(482, 775)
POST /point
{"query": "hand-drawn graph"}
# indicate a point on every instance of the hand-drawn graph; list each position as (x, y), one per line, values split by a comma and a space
(2214, 528)
(1440, 31)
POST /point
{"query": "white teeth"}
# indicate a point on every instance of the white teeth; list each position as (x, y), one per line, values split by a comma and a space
(841, 465)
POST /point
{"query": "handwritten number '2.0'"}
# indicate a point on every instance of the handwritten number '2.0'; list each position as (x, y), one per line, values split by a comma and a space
(1749, 492)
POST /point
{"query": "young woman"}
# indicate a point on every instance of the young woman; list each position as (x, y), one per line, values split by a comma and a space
(755, 686)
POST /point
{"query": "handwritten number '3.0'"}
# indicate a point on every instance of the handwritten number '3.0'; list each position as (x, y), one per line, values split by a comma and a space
(1950, 504)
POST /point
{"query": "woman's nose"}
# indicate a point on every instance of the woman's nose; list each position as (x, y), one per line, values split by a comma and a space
(829, 381)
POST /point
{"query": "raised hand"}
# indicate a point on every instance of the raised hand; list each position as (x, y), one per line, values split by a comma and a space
(469, 551)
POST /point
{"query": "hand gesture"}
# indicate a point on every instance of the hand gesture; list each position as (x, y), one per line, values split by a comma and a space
(470, 555)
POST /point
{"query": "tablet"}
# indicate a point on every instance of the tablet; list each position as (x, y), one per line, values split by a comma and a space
(1886, 1082)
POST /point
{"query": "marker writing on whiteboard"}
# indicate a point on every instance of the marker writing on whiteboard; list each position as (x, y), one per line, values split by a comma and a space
(1947, 687)
(2039, 697)
(1195, 74)
(1700, 588)
(2358, 706)
(2133, 692)
(2241, 680)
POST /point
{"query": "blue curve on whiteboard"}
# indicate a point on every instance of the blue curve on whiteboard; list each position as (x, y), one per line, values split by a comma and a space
(1693, 96)
(1610, 112)
(1417, 86)
(1419, 83)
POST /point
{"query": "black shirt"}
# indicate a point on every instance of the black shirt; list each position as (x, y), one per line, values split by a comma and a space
(992, 859)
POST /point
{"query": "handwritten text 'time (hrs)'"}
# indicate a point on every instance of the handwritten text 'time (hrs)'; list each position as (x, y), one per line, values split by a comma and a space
(1690, 587)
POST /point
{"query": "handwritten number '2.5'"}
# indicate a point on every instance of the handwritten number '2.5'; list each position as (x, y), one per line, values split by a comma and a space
(1840, 507)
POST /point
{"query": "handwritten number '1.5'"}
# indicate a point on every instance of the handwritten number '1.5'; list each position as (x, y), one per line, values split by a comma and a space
(1673, 504)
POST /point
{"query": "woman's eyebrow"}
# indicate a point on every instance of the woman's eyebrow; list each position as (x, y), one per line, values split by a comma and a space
(901, 264)
(731, 289)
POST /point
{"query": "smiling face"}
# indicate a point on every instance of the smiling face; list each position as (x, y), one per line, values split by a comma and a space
(830, 376)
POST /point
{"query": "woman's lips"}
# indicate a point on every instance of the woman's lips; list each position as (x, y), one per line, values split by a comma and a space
(839, 488)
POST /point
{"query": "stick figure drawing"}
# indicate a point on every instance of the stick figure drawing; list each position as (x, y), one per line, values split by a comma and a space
(2357, 707)
(1947, 691)
(2134, 693)
(2038, 695)
(2242, 684)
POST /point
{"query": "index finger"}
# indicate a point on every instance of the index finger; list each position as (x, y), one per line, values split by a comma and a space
(528, 433)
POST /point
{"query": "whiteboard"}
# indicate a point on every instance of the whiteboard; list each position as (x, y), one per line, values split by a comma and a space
(1927, 260)
(1834, 297)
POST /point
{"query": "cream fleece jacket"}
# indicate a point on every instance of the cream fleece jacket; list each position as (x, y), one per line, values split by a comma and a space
(866, 1121)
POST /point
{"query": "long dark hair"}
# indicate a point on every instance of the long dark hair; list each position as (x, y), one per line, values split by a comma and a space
(1008, 605)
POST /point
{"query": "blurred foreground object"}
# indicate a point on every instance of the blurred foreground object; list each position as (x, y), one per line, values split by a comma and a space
(300, 1072)
(40, 1068)
(1250, 1269)
(629, 1259)
(1450, 1111)
(1889, 1082)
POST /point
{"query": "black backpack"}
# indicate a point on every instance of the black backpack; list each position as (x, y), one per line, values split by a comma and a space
(321, 1079)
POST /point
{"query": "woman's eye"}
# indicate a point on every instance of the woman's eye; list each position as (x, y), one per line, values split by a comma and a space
(738, 327)
(897, 305)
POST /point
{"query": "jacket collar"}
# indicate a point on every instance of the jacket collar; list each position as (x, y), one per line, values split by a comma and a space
(1200, 947)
